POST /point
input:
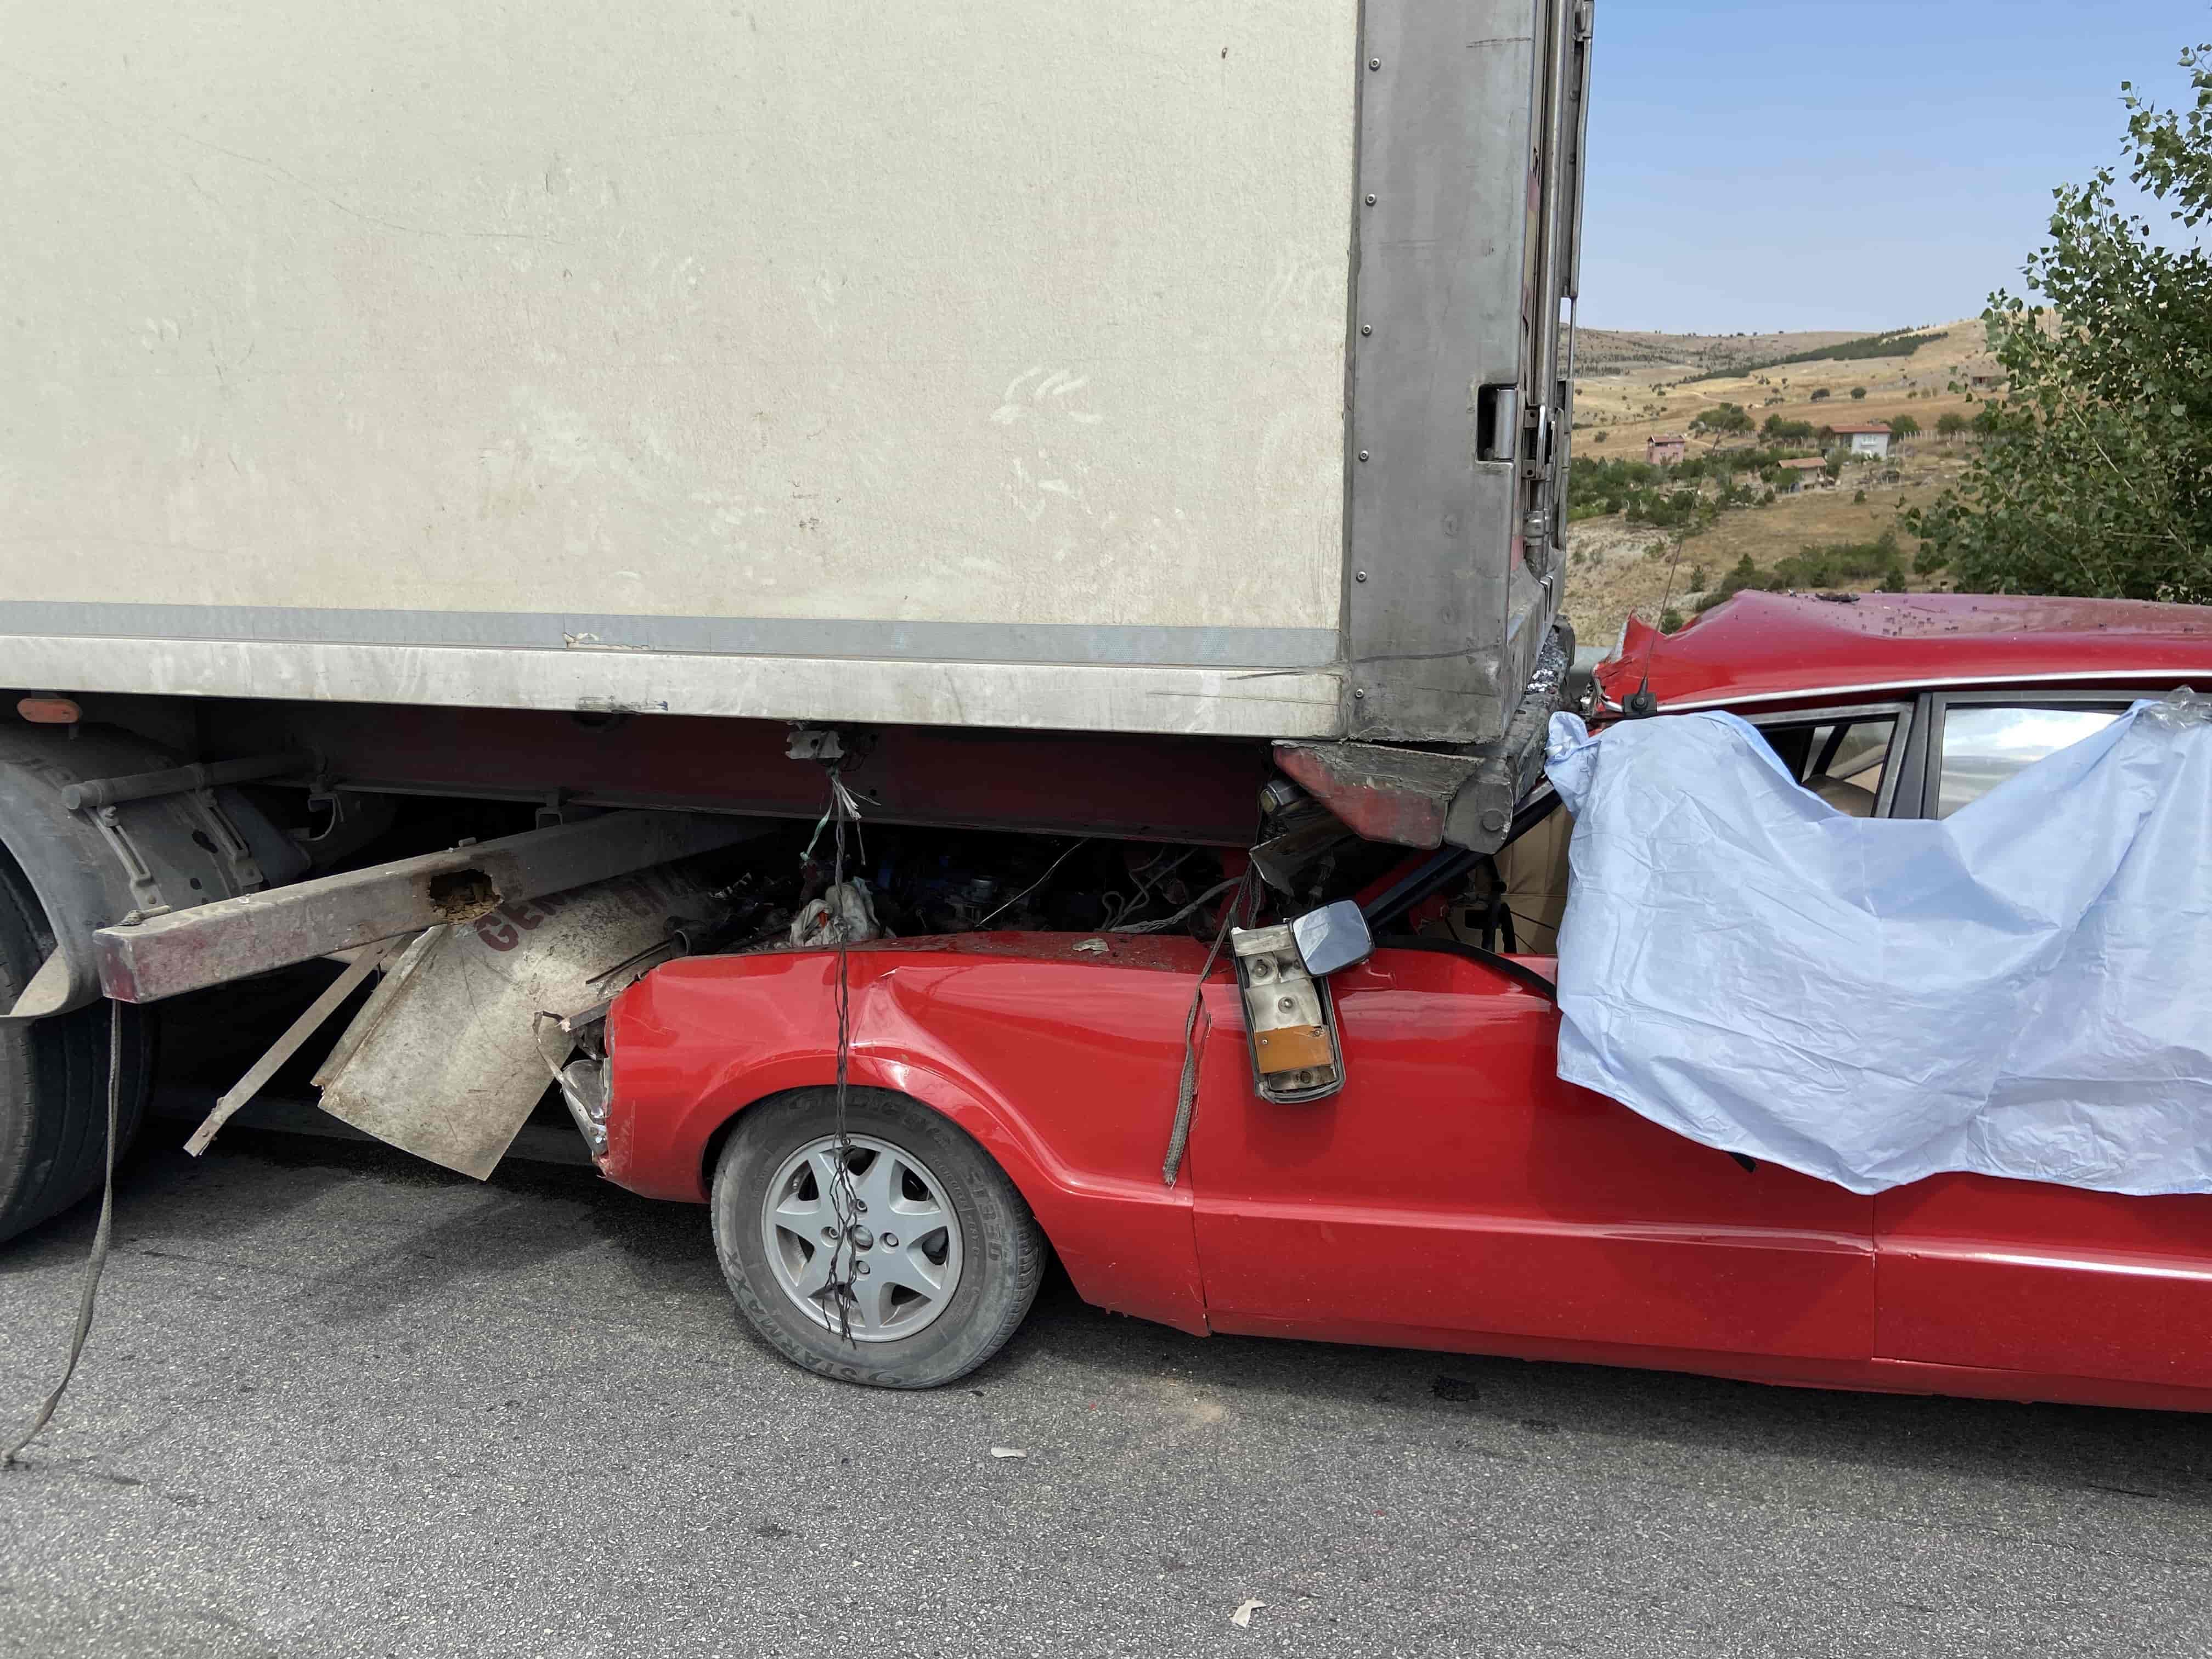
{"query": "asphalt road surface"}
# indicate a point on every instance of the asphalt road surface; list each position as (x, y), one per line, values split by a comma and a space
(339, 1403)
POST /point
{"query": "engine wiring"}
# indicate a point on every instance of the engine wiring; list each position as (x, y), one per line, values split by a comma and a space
(1198, 903)
(1050, 870)
(1149, 876)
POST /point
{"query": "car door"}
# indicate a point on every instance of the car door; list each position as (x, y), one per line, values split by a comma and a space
(2021, 1275)
(1456, 1190)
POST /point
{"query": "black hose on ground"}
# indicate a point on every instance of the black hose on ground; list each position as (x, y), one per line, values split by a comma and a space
(97, 1261)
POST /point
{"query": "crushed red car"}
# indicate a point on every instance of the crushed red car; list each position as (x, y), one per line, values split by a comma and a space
(1012, 1093)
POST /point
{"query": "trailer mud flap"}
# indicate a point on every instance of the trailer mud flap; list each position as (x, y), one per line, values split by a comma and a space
(447, 1058)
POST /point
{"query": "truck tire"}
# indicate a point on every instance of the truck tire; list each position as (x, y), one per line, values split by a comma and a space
(944, 1256)
(53, 1079)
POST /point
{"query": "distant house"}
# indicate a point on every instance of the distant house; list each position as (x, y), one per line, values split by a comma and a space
(1666, 449)
(1985, 382)
(1867, 439)
(1807, 474)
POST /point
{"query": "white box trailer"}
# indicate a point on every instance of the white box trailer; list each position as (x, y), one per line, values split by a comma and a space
(1148, 366)
(1073, 413)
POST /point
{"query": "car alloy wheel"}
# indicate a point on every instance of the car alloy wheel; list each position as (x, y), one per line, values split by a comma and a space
(899, 1250)
(943, 1261)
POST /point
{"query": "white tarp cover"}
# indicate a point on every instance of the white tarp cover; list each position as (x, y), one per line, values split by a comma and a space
(2023, 988)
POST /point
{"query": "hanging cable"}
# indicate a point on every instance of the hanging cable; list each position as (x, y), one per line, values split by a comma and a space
(1186, 1089)
(843, 813)
(90, 1292)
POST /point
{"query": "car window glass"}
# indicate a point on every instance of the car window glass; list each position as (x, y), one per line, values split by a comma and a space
(1843, 764)
(1983, 746)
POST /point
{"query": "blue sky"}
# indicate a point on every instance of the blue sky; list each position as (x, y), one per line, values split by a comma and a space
(1787, 165)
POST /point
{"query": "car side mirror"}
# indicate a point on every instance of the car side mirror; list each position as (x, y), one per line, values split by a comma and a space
(1332, 938)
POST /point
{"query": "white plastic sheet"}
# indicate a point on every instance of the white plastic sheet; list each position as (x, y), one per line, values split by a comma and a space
(2023, 988)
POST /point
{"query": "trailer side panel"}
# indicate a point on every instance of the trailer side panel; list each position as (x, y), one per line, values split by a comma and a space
(832, 361)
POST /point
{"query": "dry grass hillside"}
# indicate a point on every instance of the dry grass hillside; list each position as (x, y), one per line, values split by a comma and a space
(1629, 387)
(1602, 354)
(1632, 387)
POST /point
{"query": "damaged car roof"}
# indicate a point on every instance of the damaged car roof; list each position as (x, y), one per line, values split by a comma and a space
(1774, 647)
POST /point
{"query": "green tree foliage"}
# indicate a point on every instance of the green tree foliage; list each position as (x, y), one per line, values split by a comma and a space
(1820, 394)
(1950, 423)
(1813, 568)
(1669, 497)
(1777, 430)
(1723, 420)
(1904, 426)
(1674, 509)
(1897, 343)
(1858, 394)
(2097, 479)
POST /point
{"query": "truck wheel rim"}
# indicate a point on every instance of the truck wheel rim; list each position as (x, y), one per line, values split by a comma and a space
(900, 1260)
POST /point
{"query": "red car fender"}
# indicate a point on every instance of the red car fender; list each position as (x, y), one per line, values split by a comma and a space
(696, 1042)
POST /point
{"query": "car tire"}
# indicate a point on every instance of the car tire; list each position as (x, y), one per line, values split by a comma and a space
(994, 1247)
(53, 1079)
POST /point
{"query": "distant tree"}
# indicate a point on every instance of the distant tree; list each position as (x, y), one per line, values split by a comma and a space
(1858, 394)
(1670, 621)
(1600, 437)
(1723, 420)
(1950, 423)
(1701, 578)
(1858, 498)
(1820, 394)
(2100, 479)
(1904, 426)
(1745, 574)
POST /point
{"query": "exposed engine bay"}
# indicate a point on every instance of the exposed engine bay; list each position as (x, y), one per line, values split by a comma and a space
(448, 1035)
